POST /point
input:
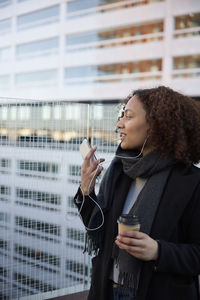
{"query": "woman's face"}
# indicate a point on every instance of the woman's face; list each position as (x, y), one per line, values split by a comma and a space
(133, 126)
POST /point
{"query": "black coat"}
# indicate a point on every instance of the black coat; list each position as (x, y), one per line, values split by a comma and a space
(174, 276)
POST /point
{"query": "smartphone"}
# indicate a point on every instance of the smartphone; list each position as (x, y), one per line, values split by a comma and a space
(85, 148)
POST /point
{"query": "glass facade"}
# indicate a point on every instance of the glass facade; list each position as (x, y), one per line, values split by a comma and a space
(37, 48)
(38, 18)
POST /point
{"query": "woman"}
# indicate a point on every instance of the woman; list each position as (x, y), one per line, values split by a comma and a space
(153, 177)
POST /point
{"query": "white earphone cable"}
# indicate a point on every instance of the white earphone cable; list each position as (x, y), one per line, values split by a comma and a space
(83, 201)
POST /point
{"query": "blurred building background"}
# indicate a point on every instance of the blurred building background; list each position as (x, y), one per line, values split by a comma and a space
(97, 49)
(55, 54)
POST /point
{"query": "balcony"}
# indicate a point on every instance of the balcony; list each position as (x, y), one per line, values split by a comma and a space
(184, 37)
(125, 49)
(115, 14)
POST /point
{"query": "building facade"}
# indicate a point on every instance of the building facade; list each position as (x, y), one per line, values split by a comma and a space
(97, 49)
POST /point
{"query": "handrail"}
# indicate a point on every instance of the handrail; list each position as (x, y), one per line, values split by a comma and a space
(186, 71)
(4, 4)
(38, 22)
(98, 9)
(52, 51)
(56, 293)
(37, 83)
(117, 40)
(114, 77)
(187, 30)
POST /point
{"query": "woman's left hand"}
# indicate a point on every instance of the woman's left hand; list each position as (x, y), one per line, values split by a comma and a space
(138, 244)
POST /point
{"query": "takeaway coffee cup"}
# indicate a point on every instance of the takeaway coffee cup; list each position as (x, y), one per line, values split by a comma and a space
(128, 222)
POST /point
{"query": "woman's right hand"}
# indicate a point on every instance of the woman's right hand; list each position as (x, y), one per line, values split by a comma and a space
(89, 172)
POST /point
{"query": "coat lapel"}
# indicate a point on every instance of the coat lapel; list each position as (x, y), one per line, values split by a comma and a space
(177, 195)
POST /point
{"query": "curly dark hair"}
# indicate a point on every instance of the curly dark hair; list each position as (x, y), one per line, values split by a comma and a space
(174, 121)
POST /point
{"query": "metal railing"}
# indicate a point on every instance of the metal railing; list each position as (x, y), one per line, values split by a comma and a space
(41, 234)
(150, 37)
(108, 7)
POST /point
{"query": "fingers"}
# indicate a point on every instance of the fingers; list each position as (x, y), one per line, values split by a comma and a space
(130, 241)
(133, 234)
(142, 246)
(90, 154)
(90, 170)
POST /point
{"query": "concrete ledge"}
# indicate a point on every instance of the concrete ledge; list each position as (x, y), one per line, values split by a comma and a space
(76, 296)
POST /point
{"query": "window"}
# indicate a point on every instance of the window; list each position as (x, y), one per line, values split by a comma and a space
(38, 225)
(98, 112)
(38, 255)
(72, 112)
(24, 113)
(5, 54)
(186, 66)
(187, 26)
(4, 3)
(37, 199)
(76, 267)
(4, 217)
(5, 163)
(70, 201)
(39, 78)
(74, 170)
(83, 72)
(21, 1)
(92, 5)
(13, 113)
(46, 112)
(37, 166)
(57, 112)
(186, 62)
(32, 282)
(4, 113)
(4, 244)
(5, 190)
(5, 26)
(188, 21)
(3, 272)
(4, 81)
(38, 18)
(38, 48)
(75, 234)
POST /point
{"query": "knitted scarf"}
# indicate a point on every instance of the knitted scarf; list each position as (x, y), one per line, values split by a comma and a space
(112, 194)
(156, 169)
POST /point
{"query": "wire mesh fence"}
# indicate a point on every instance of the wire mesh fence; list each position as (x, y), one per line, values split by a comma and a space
(41, 235)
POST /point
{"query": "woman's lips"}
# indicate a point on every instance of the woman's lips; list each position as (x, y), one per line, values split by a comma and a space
(122, 136)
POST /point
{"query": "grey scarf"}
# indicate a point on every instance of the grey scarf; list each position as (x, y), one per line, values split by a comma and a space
(156, 169)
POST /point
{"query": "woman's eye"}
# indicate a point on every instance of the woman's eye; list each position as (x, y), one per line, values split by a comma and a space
(128, 117)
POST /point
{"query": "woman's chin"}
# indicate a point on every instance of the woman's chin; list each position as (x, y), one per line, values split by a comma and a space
(124, 146)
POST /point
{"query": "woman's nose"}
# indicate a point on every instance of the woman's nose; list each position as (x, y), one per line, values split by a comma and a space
(120, 123)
